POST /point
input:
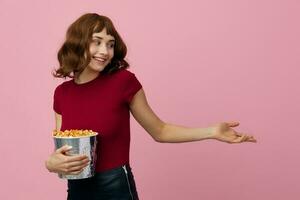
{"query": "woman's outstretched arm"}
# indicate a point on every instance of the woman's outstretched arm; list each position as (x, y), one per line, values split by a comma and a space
(170, 133)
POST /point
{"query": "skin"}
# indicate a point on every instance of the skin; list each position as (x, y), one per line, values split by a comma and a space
(160, 131)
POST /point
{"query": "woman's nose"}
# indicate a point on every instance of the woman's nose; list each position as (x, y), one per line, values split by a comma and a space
(103, 50)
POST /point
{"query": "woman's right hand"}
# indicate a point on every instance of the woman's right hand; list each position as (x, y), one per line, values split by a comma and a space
(59, 162)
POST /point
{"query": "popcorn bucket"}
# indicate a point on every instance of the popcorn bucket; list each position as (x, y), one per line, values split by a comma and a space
(80, 145)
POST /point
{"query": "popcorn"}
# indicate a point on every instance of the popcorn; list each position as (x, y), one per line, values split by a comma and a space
(73, 133)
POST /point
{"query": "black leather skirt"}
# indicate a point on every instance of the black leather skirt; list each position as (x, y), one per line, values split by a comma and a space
(114, 184)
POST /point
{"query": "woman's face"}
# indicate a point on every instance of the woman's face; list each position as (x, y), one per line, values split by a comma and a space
(101, 50)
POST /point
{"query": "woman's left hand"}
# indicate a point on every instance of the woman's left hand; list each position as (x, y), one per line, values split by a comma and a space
(225, 133)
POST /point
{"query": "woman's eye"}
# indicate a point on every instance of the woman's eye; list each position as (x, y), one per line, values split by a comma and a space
(97, 42)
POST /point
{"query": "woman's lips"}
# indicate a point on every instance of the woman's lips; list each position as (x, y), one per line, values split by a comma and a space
(101, 60)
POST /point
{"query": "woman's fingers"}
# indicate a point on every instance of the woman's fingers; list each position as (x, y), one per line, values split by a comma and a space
(78, 163)
(232, 123)
(240, 139)
(63, 149)
(243, 138)
(239, 134)
(252, 139)
(74, 164)
(76, 158)
(75, 172)
(77, 168)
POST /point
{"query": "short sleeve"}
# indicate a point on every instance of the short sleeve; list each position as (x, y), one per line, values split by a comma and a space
(57, 99)
(132, 86)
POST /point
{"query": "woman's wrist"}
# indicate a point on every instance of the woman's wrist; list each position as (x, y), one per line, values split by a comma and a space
(48, 166)
(209, 132)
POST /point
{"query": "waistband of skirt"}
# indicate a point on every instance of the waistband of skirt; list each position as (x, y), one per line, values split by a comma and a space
(115, 170)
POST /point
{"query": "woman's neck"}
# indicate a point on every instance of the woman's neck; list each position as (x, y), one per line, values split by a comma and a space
(86, 76)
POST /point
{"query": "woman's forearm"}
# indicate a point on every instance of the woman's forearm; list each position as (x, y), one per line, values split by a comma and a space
(175, 134)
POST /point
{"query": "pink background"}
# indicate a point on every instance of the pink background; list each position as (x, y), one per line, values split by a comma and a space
(200, 62)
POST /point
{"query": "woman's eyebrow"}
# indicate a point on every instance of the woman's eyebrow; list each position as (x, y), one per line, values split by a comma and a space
(112, 40)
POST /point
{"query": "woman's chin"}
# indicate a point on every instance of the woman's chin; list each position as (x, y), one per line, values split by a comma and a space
(97, 68)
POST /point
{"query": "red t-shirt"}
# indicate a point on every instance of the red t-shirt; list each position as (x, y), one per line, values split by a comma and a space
(101, 105)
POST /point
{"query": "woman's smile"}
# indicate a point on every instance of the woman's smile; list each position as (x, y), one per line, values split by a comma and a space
(99, 60)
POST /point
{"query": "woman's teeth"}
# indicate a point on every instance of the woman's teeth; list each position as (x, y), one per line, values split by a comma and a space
(100, 59)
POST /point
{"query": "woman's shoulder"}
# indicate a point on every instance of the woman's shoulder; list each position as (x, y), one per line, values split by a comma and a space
(64, 84)
(124, 73)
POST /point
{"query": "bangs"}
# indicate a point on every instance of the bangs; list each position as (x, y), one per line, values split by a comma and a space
(100, 25)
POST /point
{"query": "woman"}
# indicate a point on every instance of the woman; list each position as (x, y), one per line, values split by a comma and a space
(100, 97)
